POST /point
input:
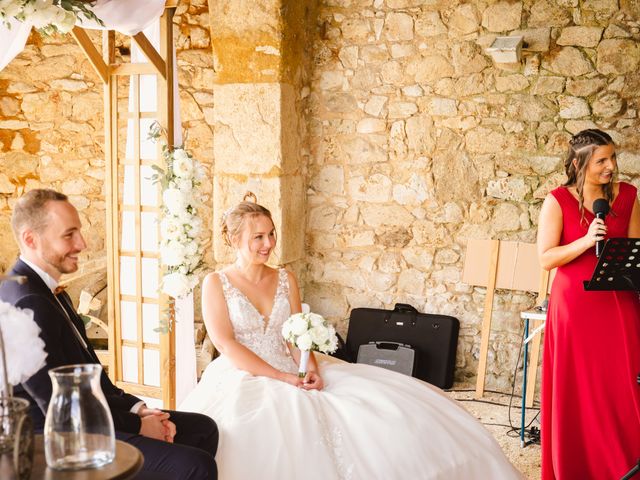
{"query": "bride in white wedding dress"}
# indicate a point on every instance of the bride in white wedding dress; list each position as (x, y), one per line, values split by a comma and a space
(343, 421)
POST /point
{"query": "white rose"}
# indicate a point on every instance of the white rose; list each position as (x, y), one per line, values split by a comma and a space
(190, 249)
(11, 9)
(182, 164)
(172, 254)
(316, 320)
(286, 331)
(65, 20)
(319, 335)
(195, 227)
(170, 227)
(303, 342)
(176, 284)
(174, 201)
(332, 345)
(184, 185)
(45, 13)
(299, 324)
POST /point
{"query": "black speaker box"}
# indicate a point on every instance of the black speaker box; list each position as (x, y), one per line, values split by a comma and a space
(433, 337)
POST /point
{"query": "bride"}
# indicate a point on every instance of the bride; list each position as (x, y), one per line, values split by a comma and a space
(342, 421)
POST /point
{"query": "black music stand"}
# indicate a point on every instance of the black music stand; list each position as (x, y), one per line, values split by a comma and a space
(618, 268)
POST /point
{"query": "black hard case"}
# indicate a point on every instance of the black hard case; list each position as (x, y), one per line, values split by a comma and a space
(434, 337)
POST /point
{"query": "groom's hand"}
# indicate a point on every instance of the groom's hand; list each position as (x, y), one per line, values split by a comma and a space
(154, 426)
(312, 381)
(145, 411)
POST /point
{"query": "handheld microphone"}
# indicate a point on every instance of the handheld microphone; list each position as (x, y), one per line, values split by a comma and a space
(600, 209)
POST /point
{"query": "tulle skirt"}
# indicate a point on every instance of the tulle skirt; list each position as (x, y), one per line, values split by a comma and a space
(367, 423)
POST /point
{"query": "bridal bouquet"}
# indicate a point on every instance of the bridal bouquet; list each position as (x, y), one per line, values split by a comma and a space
(309, 331)
(22, 351)
(48, 16)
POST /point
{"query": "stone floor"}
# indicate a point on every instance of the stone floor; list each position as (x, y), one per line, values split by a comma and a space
(495, 417)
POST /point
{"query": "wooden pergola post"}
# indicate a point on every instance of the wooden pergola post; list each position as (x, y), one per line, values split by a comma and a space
(160, 64)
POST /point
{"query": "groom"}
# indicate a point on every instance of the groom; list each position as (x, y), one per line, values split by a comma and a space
(175, 445)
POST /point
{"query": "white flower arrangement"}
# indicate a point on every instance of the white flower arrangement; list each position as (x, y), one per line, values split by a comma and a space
(180, 227)
(309, 332)
(23, 349)
(48, 16)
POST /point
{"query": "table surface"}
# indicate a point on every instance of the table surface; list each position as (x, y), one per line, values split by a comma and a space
(533, 315)
(127, 463)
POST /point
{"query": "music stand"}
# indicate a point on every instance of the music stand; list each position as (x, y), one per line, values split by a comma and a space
(618, 268)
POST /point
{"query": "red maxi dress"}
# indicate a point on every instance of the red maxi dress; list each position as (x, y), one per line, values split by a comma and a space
(590, 397)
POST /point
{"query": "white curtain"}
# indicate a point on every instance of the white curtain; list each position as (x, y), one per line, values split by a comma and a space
(125, 16)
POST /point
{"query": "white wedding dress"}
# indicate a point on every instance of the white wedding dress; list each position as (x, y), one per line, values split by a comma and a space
(367, 422)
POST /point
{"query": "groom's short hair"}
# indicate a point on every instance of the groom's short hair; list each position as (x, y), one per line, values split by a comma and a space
(30, 210)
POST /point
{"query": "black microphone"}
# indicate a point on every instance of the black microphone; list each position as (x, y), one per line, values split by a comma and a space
(600, 209)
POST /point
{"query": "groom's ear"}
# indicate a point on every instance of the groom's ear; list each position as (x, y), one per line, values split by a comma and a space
(28, 238)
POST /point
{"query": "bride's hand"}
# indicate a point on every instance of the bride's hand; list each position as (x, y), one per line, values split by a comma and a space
(291, 379)
(312, 381)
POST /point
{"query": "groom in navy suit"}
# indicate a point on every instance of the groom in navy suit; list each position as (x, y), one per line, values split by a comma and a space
(175, 445)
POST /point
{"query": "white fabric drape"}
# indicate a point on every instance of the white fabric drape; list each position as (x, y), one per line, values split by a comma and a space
(124, 16)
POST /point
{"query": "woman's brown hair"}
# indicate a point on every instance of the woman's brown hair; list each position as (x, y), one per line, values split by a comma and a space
(581, 148)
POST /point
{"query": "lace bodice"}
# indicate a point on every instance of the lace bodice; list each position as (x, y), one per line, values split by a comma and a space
(262, 335)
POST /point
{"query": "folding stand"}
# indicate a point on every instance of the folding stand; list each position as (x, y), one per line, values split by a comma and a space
(618, 268)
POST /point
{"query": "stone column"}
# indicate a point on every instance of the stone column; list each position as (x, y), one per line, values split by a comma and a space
(258, 136)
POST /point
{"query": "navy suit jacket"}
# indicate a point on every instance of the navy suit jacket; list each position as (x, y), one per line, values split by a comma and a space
(62, 347)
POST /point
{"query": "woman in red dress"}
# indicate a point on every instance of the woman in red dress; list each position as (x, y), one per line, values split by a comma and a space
(590, 395)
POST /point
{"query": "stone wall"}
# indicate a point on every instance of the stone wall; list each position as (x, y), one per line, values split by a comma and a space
(420, 142)
(52, 130)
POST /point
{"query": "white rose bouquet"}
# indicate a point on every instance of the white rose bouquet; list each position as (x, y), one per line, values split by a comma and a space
(48, 16)
(307, 332)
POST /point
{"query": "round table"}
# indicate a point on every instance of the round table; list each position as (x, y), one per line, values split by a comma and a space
(127, 463)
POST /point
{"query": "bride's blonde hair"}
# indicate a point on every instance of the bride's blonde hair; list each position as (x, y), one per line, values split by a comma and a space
(234, 219)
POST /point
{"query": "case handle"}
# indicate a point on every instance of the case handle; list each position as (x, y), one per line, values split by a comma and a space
(402, 308)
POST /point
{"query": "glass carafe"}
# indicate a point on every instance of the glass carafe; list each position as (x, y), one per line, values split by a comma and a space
(78, 430)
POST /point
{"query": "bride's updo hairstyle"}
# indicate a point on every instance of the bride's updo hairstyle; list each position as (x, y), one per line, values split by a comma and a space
(234, 219)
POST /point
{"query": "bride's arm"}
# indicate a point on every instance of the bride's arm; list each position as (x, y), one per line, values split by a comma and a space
(313, 381)
(220, 330)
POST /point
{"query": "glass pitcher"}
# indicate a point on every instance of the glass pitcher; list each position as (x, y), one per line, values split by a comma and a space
(78, 429)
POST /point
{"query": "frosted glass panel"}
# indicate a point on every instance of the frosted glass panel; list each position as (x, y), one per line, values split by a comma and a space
(150, 274)
(151, 402)
(128, 191)
(128, 231)
(150, 317)
(128, 314)
(130, 364)
(130, 154)
(148, 93)
(149, 231)
(148, 148)
(148, 190)
(128, 276)
(151, 367)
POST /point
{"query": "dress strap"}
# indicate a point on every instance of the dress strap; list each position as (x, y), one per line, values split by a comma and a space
(226, 285)
(283, 282)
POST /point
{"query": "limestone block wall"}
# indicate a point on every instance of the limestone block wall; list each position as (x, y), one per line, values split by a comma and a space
(51, 123)
(420, 142)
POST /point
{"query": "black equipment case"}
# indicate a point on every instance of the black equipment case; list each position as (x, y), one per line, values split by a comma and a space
(433, 337)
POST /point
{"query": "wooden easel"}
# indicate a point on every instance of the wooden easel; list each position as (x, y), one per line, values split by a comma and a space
(512, 266)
